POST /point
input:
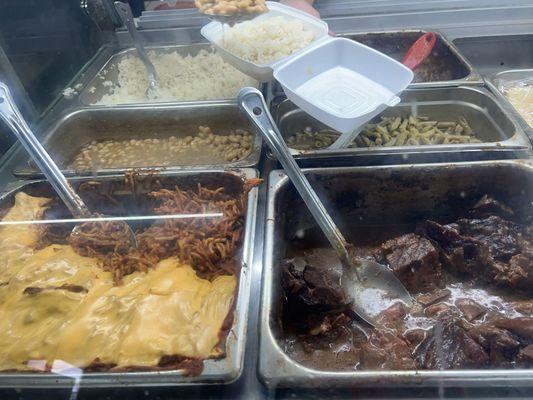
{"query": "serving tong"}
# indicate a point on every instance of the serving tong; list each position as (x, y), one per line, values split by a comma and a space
(370, 286)
(10, 113)
(124, 10)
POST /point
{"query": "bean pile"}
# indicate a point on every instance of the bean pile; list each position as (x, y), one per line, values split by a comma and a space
(392, 131)
(231, 7)
(204, 147)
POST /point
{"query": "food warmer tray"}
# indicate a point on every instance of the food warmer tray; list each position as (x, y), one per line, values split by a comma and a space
(501, 78)
(383, 195)
(487, 118)
(80, 127)
(491, 54)
(220, 371)
(109, 72)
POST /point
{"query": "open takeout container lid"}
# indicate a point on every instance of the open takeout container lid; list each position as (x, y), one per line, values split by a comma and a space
(214, 32)
(340, 82)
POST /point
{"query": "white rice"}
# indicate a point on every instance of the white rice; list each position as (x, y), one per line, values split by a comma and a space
(521, 97)
(204, 76)
(266, 40)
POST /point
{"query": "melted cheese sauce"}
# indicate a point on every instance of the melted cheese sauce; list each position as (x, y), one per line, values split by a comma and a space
(167, 311)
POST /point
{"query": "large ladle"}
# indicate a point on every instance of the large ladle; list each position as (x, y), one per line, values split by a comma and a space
(10, 113)
(370, 286)
(124, 10)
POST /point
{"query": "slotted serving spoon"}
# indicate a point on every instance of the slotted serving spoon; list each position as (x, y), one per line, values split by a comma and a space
(370, 286)
(10, 113)
(124, 10)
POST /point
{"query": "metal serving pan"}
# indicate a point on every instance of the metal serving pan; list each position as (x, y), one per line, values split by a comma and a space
(109, 71)
(219, 371)
(80, 127)
(503, 78)
(490, 54)
(368, 196)
(445, 55)
(494, 126)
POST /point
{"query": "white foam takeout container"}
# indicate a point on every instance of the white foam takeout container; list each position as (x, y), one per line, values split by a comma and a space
(341, 83)
(264, 72)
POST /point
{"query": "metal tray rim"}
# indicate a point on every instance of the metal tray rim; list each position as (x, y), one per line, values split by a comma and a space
(234, 360)
(473, 78)
(250, 161)
(294, 374)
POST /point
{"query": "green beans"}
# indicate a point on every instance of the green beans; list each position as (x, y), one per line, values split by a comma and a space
(392, 131)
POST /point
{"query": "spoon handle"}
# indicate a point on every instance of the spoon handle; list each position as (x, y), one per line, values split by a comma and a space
(125, 13)
(14, 120)
(252, 102)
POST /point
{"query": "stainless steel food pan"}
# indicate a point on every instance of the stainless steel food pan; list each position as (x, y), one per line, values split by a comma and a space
(490, 54)
(80, 127)
(451, 68)
(505, 78)
(493, 125)
(385, 196)
(109, 71)
(224, 370)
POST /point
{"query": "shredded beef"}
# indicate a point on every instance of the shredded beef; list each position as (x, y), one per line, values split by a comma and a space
(449, 346)
(415, 262)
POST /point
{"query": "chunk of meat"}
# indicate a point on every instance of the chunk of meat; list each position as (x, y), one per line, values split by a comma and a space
(415, 262)
(488, 206)
(448, 346)
(500, 344)
(499, 235)
(509, 275)
(526, 355)
(470, 309)
(467, 256)
(393, 317)
(520, 272)
(385, 350)
(312, 287)
(427, 299)
(463, 256)
(436, 309)
(521, 326)
(415, 336)
(523, 306)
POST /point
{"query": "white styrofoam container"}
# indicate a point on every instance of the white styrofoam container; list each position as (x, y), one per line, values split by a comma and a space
(342, 83)
(264, 72)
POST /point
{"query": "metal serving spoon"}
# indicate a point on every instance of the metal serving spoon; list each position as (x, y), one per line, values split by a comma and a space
(10, 113)
(370, 286)
(124, 10)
